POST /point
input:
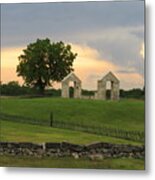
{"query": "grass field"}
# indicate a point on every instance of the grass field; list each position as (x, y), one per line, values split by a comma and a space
(123, 164)
(17, 132)
(124, 114)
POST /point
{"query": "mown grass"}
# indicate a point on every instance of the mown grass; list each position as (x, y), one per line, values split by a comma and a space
(18, 132)
(123, 114)
(68, 162)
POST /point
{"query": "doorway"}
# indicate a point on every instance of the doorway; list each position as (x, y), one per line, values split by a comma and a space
(108, 90)
(71, 89)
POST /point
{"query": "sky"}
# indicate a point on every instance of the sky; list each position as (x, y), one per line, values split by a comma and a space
(107, 36)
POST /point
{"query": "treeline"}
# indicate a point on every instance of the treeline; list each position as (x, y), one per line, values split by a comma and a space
(136, 93)
(13, 88)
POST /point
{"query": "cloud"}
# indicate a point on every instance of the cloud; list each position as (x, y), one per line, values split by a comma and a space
(89, 67)
(132, 80)
(126, 71)
(142, 51)
(119, 45)
(61, 20)
(110, 33)
(9, 74)
(9, 61)
(9, 56)
(106, 36)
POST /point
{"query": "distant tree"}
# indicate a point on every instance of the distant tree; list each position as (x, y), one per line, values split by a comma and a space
(88, 92)
(132, 93)
(43, 62)
(12, 88)
(13, 84)
(144, 90)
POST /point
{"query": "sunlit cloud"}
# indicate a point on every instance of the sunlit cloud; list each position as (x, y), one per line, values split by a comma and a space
(9, 74)
(110, 34)
(89, 66)
(131, 80)
(103, 45)
(142, 51)
(9, 62)
(9, 56)
(119, 45)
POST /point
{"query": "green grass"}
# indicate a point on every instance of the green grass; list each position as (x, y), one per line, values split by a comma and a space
(123, 114)
(18, 132)
(68, 162)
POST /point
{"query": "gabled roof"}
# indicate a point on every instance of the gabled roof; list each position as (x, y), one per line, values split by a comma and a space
(110, 77)
(71, 77)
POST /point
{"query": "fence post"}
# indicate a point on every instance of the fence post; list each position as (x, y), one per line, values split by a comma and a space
(51, 119)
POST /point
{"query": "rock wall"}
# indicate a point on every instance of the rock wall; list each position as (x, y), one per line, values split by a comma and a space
(65, 86)
(93, 151)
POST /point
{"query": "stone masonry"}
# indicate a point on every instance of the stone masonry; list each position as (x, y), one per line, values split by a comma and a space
(65, 86)
(101, 87)
(93, 151)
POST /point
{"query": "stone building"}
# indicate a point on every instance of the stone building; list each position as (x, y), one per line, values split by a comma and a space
(77, 86)
(101, 87)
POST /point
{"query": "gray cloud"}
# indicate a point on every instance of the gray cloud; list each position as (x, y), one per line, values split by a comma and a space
(114, 29)
(24, 22)
(120, 46)
(126, 71)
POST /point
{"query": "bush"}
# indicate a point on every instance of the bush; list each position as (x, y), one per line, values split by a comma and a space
(133, 93)
(14, 89)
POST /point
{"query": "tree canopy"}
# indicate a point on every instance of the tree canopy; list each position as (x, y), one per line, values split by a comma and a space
(43, 62)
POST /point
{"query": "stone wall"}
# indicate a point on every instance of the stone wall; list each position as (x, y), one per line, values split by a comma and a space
(93, 151)
(65, 86)
(101, 87)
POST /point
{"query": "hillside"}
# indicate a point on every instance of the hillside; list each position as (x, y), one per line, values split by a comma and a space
(123, 114)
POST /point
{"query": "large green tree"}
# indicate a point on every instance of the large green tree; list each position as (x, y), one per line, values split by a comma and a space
(43, 62)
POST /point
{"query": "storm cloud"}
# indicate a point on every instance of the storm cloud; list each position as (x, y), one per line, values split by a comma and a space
(114, 29)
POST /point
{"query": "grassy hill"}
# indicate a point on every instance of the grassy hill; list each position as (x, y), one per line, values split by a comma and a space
(69, 162)
(124, 114)
(17, 132)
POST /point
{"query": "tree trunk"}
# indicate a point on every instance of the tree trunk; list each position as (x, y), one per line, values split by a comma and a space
(41, 90)
(41, 86)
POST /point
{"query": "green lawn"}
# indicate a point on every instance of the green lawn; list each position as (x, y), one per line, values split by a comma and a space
(18, 132)
(123, 114)
(66, 162)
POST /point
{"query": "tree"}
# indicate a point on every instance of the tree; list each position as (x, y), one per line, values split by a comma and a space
(12, 88)
(43, 62)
